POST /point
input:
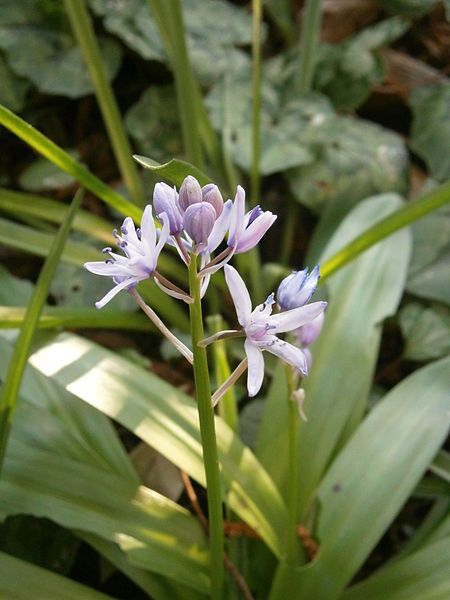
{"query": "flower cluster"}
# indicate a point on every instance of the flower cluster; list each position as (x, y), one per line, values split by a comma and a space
(196, 221)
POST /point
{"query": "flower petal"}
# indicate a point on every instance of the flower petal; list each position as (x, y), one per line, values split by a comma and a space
(239, 293)
(118, 288)
(287, 352)
(107, 269)
(292, 319)
(162, 238)
(254, 232)
(148, 230)
(237, 217)
(220, 226)
(255, 373)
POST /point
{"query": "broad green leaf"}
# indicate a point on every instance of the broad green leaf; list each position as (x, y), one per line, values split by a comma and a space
(371, 479)
(93, 486)
(39, 47)
(213, 31)
(166, 419)
(13, 290)
(427, 276)
(18, 578)
(426, 331)
(410, 8)
(431, 127)
(13, 89)
(67, 163)
(353, 159)
(174, 171)
(16, 368)
(42, 175)
(154, 124)
(156, 586)
(425, 575)
(361, 295)
(348, 72)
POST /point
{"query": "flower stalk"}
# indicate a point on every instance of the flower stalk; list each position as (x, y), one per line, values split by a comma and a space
(208, 435)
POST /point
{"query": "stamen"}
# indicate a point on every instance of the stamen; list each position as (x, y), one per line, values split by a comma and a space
(107, 250)
(124, 230)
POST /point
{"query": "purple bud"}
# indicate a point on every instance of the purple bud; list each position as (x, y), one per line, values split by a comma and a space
(254, 214)
(308, 333)
(211, 194)
(165, 200)
(190, 193)
(297, 288)
(198, 221)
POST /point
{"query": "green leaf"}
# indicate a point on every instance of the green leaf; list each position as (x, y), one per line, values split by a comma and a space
(39, 48)
(426, 331)
(371, 479)
(55, 317)
(431, 127)
(441, 465)
(361, 296)
(41, 175)
(213, 30)
(373, 476)
(154, 124)
(67, 163)
(431, 251)
(18, 361)
(409, 8)
(13, 89)
(348, 72)
(166, 419)
(174, 171)
(425, 575)
(353, 159)
(18, 578)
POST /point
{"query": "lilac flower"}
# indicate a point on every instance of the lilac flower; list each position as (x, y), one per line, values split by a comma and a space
(245, 230)
(261, 327)
(165, 200)
(297, 288)
(141, 255)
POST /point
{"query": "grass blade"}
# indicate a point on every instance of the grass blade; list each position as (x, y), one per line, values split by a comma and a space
(18, 361)
(67, 163)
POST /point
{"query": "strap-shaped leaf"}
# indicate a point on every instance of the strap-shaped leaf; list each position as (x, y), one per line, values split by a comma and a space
(21, 580)
(166, 419)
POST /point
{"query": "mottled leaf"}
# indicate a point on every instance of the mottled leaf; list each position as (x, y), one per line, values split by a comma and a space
(430, 130)
(13, 89)
(154, 124)
(426, 331)
(38, 46)
(43, 175)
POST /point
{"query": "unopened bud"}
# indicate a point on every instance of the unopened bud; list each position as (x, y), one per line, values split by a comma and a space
(198, 221)
(165, 200)
(297, 288)
(190, 193)
(211, 194)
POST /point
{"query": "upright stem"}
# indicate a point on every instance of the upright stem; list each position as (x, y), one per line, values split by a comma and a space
(84, 32)
(208, 435)
(292, 540)
(256, 125)
(309, 40)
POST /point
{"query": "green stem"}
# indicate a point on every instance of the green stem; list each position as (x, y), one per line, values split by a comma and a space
(292, 539)
(387, 226)
(256, 88)
(310, 34)
(21, 350)
(208, 435)
(84, 32)
(169, 17)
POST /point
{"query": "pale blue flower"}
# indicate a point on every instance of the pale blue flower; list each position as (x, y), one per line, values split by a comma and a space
(141, 250)
(261, 327)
